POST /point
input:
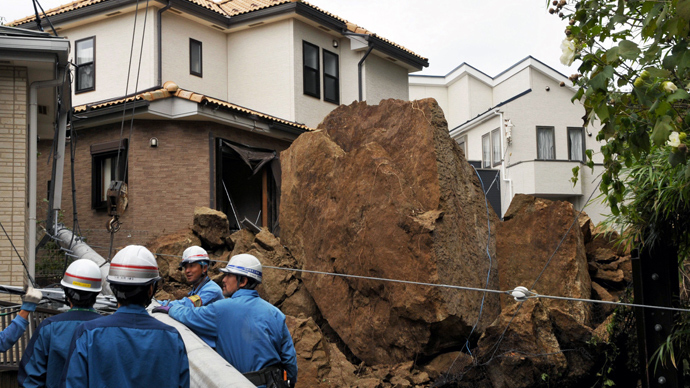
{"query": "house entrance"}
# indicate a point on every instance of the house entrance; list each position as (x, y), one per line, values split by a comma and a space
(248, 185)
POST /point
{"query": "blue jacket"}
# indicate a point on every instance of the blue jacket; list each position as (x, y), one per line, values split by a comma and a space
(127, 349)
(209, 292)
(44, 357)
(250, 333)
(11, 334)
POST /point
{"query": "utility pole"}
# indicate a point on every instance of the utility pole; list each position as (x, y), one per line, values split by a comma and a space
(655, 278)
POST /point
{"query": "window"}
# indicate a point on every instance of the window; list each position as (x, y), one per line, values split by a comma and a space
(86, 64)
(576, 143)
(545, 143)
(195, 59)
(311, 70)
(104, 169)
(331, 81)
(486, 151)
(496, 147)
(462, 142)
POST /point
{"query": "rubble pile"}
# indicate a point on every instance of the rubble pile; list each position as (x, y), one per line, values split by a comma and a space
(384, 192)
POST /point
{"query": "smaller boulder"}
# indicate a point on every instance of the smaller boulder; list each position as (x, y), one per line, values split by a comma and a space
(211, 226)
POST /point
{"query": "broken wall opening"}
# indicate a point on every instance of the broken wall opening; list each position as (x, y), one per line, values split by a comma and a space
(248, 186)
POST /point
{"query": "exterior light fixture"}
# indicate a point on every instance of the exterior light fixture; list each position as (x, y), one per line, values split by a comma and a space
(335, 43)
(153, 142)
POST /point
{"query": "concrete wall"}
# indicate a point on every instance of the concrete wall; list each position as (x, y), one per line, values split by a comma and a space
(113, 46)
(383, 80)
(13, 172)
(175, 56)
(159, 200)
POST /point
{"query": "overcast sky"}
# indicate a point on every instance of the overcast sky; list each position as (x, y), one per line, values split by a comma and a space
(490, 35)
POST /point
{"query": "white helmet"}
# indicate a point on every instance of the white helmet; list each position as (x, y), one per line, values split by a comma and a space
(134, 265)
(83, 275)
(194, 254)
(246, 265)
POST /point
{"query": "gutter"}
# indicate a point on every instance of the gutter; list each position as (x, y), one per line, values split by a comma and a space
(361, 61)
(160, 42)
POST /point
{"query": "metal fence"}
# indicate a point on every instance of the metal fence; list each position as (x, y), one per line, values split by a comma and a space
(9, 360)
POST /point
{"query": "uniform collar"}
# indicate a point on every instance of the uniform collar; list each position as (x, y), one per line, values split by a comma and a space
(245, 292)
(132, 309)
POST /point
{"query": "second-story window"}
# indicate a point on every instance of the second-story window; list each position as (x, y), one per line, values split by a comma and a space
(496, 147)
(195, 58)
(310, 59)
(86, 64)
(486, 151)
(331, 77)
(576, 143)
(545, 143)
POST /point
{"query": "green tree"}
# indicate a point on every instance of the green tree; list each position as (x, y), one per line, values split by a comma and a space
(634, 69)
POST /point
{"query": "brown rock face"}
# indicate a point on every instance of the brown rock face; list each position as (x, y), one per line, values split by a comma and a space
(528, 240)
(383, 191)
(211, 226)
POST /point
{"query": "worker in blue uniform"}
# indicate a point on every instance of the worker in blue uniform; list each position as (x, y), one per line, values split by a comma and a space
(205, 291)
(16, 328)
(129, 348)
(44, 357)
(250, 333)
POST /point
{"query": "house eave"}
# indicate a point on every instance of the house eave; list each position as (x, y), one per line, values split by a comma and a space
(417, 63)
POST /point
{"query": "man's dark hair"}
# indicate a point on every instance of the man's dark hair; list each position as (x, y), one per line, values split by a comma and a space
(251, 283)
(132, 295)
(79, 298)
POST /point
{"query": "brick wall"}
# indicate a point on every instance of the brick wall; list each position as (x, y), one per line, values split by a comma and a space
(165, 183)
(13, 172)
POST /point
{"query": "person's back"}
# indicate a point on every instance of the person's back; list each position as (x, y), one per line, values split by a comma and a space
(46, 353)
(129, 348)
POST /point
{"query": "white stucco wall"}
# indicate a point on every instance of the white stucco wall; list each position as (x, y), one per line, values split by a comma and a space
(480, 97)
(384, 79)
(511, 86)
(112, 51)
(458, 102)
(439, 93)
(259, 69)
(176, 32)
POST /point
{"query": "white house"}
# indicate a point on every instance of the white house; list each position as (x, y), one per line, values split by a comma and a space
(522, 123)
(285, 58)
(209, 92)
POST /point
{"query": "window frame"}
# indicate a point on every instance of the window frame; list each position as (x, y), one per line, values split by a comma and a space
(486, 163)
(77, 89)
(330, 76)
(495, 135)
(553, 137)
(99, 153)
(462, 142)
(192, 44)
(314, 73)
(583, 157)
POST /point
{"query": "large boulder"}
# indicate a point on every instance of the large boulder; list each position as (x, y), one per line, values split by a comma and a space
(538, 241)
(384, 192)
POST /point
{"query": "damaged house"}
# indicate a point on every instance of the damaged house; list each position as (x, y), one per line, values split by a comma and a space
(191, 101)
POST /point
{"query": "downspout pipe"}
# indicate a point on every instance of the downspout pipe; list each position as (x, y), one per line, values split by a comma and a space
(503, 162)
(359, 70)
(33, 152)
(361, 61)
(160, 42)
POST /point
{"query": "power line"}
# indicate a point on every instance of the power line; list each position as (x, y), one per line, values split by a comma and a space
(476, 289)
